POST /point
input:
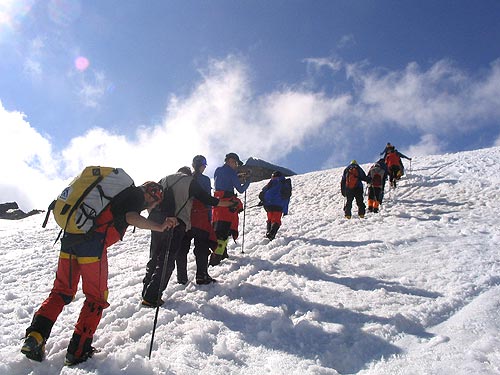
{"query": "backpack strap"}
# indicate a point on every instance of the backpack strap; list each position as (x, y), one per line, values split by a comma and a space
(171, 186)
(58, 236)
(82, 197)
(51, 207)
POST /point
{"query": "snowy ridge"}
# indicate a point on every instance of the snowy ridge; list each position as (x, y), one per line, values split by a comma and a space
(412, 290)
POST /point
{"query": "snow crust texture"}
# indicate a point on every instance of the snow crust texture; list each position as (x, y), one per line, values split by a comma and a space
(414, 289)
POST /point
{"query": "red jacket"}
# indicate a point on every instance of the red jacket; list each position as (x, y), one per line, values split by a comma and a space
(225, 214)
(200, 220)
(105, 225)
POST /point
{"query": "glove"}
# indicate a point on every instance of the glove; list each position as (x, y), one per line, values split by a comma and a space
(234, 206)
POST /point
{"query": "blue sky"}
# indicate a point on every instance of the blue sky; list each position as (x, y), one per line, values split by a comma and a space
(308, 85)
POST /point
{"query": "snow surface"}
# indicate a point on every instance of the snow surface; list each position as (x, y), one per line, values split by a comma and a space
(414, 289)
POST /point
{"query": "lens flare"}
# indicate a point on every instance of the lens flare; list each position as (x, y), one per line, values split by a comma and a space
(82, 63)
(12, 14)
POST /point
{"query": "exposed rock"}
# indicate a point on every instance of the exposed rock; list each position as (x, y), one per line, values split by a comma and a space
(11, 211)
(262, 170)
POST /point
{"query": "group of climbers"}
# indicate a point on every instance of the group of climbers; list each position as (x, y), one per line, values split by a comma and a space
(351, 185)
(181, 209)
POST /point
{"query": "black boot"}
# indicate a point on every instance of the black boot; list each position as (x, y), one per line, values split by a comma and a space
(35, 338)
(214, 259)
(268, 228)
(204, 279)
(273, 231)
(219, 253)
(79, 352)
(34, 346)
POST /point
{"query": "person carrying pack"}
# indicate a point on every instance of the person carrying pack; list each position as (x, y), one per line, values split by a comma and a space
(378, 175)
(225, 220)
(395, 165)
(180, 191)
(84, 255)
(387, 148)
(201, 231)
(78, 206)
(275, 198)
(351, 187)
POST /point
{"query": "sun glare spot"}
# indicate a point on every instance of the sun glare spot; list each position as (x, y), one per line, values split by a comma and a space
(81, 63)
(12, 12)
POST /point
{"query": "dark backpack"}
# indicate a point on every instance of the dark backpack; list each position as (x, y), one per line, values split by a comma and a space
(286, 189)
(352, 177)
(377, 175)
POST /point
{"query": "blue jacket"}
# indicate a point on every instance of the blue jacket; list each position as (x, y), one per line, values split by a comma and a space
(226, 179)
(271, 196)
(206, 184)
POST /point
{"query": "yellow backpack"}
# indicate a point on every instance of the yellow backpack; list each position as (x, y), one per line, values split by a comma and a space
(78, 205)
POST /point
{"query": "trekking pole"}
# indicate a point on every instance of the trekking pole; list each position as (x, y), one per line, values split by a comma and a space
(244, 219)
(162, 281)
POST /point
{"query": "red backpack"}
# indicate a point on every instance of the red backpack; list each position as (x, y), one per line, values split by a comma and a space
(377, 175)
(352, 177)
(392, 159)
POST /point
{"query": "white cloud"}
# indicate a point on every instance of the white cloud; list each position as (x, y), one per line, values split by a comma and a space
(485, 94)
(219, 116)
(346, 40)
(316, 63)
(223, 114)
(32, 65)
(33, 68)
(12, 13)
(438, 103)
(429, 144)
(10, 10)
(441, 100)
(29, 168)
(91, 91)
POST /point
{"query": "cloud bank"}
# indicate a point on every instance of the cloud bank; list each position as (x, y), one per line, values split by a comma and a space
(222, 114)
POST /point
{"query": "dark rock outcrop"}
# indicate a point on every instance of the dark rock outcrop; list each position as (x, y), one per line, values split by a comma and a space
(262, 170)
(11, 211)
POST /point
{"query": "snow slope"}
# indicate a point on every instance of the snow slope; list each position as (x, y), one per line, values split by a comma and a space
(414, 289)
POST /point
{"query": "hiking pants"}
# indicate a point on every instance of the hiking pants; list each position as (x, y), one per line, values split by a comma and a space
(351, 194)
(94, 274)
(375, 195)
(393, 173)
(274, 217)
(164, 244)
(201, 253)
